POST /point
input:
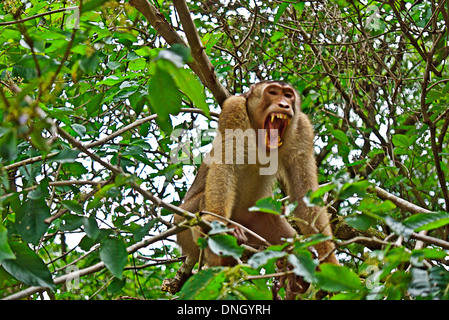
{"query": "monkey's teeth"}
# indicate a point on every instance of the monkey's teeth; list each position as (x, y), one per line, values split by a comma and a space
(278, 116)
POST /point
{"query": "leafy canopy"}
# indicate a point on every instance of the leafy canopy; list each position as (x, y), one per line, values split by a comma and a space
(104, 119)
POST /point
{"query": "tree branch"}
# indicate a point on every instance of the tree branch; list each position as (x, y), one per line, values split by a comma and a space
(432, 125)
(201, 64)
(401, 203)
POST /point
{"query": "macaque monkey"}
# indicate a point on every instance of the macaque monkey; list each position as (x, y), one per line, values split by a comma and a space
(269, 119)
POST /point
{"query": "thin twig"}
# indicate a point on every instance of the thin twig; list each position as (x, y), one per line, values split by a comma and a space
(8, 23)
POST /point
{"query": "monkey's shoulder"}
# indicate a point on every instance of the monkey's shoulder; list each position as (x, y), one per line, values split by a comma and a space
(234, 114)
(234, 103)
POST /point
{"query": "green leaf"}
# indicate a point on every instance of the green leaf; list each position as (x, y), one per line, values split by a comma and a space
(40, 192)
(110, 81)
(260, 259)
(93, 4)
(281, 9)
(182, 51)
(72, 222)
(164, 96)
(398, 227)
(427, 221)
(420, 284)
(73, 205)
(349, 189)
(252, 292)
(116, 285)
(79, 129)
(8, 144)
(202, 243)
(39, 141)
(66, 156)
(303, 265)
(5, 250)
(28, 267)
(91, 227)
(311, 241)
(207, 284)
(276, 36)
(30, 218)
(177, 55)
(375, 208)
(114, 255)
(141, 232)
(225, 245)
(340, 135)
(433, 95)
(361, 221)
(315, 198)
(439, 278)
(189, 84)
(89, 64)
(218, 227)
(337, 278)
(400, 140)
(299, 7)
(267, 205)
(446, 88)
(86, 243)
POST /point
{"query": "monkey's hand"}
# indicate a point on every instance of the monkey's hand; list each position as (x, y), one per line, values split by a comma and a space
(239, 234)
(231, 228)
(292, 283)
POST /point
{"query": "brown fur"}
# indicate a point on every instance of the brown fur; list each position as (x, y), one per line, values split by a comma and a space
(230, 189)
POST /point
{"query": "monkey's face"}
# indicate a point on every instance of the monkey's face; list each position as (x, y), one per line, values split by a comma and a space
(273, 108)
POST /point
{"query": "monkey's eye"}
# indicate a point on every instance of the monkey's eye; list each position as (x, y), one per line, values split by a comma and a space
(272, 92)
(288, 95)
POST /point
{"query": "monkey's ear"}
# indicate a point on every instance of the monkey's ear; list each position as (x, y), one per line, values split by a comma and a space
(297, 101)
(248, 93)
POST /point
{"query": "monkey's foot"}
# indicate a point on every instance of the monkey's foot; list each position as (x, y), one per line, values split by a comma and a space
(239, 234)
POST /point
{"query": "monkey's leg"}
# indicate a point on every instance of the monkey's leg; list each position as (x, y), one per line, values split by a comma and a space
(300, 175)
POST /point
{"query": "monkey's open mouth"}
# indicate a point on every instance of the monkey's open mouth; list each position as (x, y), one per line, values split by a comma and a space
(274, 126)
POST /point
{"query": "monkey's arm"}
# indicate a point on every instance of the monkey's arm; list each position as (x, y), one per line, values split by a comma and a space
(300, 175)
(221, 178)
(311, 220)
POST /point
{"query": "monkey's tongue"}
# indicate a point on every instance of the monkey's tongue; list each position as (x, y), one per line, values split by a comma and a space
(272, 135)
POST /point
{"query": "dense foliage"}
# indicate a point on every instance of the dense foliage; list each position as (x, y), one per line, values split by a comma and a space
(105, 117)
